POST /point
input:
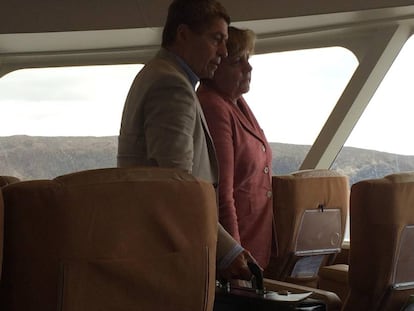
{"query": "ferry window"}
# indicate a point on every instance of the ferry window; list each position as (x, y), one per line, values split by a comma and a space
(66, 119)
(61, 120)
(292, 94)
(381, 140)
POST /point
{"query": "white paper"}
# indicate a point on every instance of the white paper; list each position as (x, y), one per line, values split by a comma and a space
(287, 296)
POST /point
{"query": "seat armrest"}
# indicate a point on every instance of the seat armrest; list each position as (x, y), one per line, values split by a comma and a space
(332, 301)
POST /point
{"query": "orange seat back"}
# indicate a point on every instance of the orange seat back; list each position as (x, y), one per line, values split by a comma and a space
(310, 209)
(381, 274)
(110, 239)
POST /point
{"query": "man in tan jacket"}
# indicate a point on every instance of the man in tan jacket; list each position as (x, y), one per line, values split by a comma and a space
(163, 124)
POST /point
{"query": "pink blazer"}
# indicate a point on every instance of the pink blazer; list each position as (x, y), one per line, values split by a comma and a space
(245, 158)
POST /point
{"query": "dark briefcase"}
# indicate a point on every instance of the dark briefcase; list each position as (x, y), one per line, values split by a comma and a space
(258, 299)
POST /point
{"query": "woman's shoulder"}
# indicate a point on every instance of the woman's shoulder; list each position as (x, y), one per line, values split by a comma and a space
(211, 99)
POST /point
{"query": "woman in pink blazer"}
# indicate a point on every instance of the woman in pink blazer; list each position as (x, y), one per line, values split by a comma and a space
(244, 155)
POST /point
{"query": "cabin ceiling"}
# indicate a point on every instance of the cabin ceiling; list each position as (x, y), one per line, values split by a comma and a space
(130, 30)
(26, 16)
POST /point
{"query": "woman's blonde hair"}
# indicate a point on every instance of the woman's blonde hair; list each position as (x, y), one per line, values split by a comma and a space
(240, 40)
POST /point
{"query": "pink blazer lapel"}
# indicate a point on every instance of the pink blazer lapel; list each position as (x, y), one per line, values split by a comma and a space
(248, 121)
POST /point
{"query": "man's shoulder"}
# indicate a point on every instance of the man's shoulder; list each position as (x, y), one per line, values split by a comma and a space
(163, 69)
(163, 62)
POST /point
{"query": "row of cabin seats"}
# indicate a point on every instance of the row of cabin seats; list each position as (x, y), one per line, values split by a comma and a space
(109, 239)
(94, 239)
(380, 275)
(114, 239)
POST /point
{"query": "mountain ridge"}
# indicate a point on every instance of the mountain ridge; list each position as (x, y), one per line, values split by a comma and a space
(41, 157)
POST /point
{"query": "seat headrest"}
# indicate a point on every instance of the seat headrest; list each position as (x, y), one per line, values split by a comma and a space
(402, 177)
(111, 175)
(316, 173)
(6, 180)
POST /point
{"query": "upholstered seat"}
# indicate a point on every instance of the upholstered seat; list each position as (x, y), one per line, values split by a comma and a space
(381, 274)
(310, 209)
(4, 181)
(110, 239)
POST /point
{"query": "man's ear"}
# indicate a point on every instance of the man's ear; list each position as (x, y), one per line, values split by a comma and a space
(183, 32)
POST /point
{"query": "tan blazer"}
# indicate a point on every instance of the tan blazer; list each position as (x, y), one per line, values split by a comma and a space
(163, 125)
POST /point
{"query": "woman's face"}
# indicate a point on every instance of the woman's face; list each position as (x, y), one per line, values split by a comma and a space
(232, 77)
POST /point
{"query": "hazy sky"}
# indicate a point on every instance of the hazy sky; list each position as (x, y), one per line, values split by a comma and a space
(292, 94)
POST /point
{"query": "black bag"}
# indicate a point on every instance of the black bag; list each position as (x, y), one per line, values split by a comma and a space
(258, 299)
